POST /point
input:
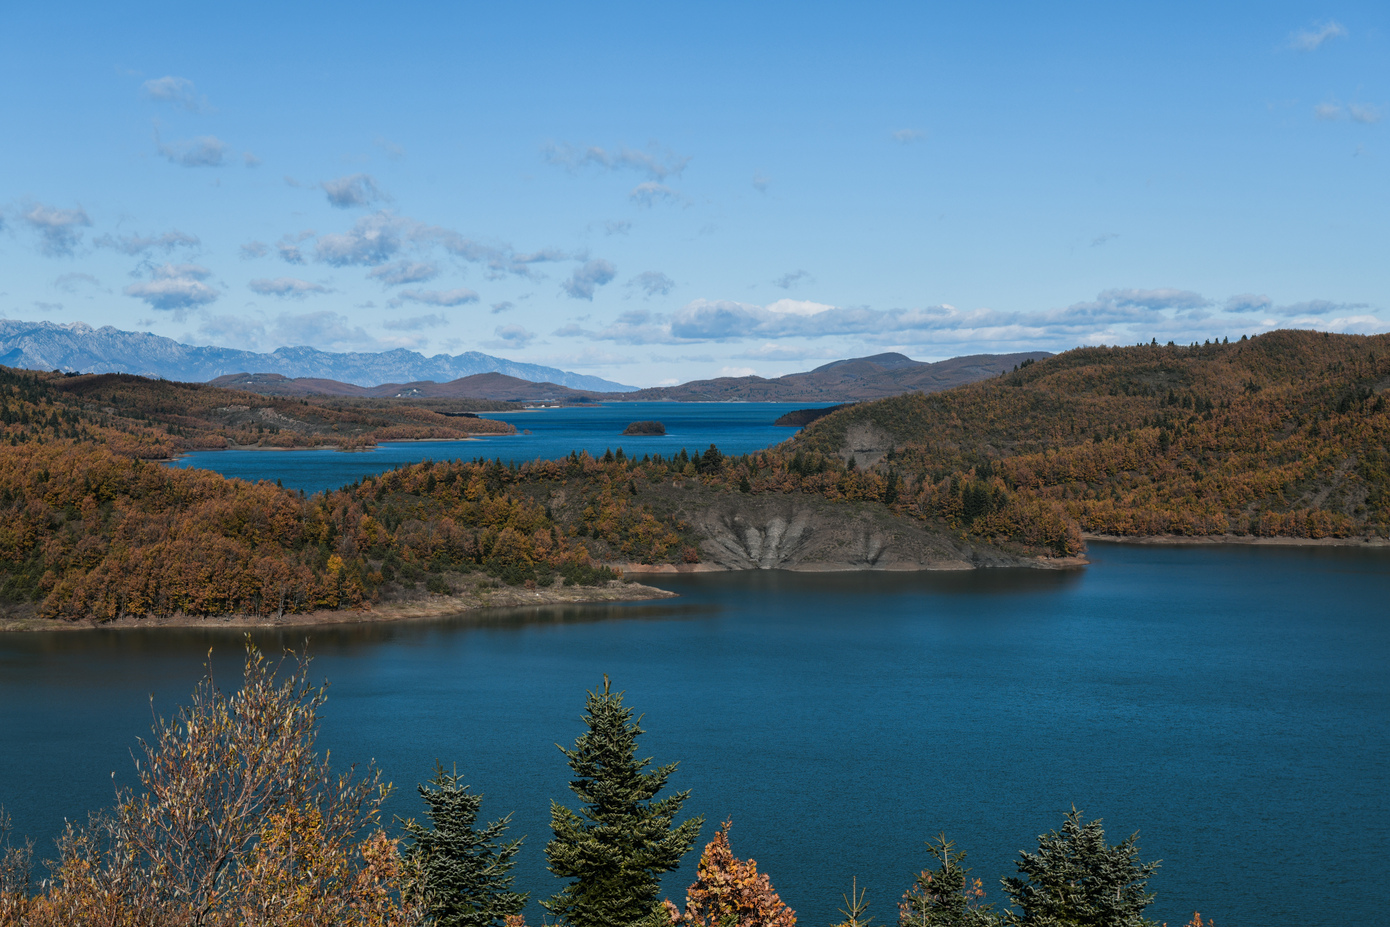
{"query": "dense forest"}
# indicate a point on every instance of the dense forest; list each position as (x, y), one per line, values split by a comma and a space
(1283, 435)
(236, 819)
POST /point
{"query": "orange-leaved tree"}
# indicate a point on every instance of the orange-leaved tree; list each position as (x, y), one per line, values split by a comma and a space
(236, 820)
(730, 891)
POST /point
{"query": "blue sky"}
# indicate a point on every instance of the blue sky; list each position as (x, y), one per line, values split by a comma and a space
(655, 193)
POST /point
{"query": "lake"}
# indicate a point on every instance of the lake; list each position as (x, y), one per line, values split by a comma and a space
(736, 427)
(1231, 704)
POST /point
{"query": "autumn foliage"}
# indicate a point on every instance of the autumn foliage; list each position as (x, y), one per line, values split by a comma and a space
(729, 890)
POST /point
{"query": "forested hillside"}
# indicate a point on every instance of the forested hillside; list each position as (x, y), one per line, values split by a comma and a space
(1283, 435)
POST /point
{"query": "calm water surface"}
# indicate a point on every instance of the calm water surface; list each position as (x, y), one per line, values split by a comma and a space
(1233, 705)
(736, 427)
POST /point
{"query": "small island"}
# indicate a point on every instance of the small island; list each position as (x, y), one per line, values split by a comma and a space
(645, 428)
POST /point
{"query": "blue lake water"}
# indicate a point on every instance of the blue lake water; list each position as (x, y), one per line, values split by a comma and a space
(736, 427)
(1231, 704)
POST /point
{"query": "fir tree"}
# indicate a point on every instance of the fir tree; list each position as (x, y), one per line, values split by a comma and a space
(946, 896)
(616, 849)
(464, 872)
(1076, 879)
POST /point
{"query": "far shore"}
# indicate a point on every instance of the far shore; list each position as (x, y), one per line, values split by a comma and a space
(1238, 539)
(432, 607)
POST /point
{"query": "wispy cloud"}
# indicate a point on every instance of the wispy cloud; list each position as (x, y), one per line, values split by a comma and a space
(503, 306)
(252, 250)
(1313, 37)
(907, 136)
(58, 229)
(652, 283)
(203, 151)
(384, 236)
(70, 283)
(447, 298)
(175, 288)
(1247, 302)
(789, 280)
(760, 182)
(729, 320)
(176, 91)
(287, 287)
(352, 191)
(617, 227)
(403, 272)
(586, 278)
(656, 162)
(415, 323)
(1101, 240)
(512, 336)
(650, 193)
(136, 244)
(1332, 111)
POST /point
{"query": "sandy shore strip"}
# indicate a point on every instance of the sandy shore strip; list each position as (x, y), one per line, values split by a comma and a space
(1240, 539)
(435, 606)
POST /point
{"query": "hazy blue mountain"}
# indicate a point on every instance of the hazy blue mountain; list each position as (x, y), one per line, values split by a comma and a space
(79, 347)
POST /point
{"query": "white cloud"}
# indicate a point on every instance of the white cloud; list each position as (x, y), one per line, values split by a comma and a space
(1365, 112)
(617, 227)
(656, 162)
(402, 272)
(513, 336)
(57, 228)
(203, 151)
(371, 241)
(354, 190)
(650, 193)
(456, 297)
(503, 306)
(176, 91)
(381, 237)
(1328, 112)
(587, 278)
(729, 320)
(253, 249)
(800, 307)
(136, 244)
(737, 372)
(1313, 37)
(653, 283)
(1248, 302)
(907, 136)
(175, 288)
(287, 287)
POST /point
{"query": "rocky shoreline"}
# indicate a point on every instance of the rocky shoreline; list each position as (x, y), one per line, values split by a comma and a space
(434, 606)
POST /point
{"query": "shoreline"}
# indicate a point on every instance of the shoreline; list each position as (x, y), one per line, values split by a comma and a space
(432, 607)
(1245, 540)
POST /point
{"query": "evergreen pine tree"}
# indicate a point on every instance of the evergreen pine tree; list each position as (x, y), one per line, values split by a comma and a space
(616, 849)
(464, 872)
(946, 896)
(1076, 879)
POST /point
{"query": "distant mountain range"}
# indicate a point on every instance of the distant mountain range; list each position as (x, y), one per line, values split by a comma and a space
(858, 378)
(875, 377)
(79, 347)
